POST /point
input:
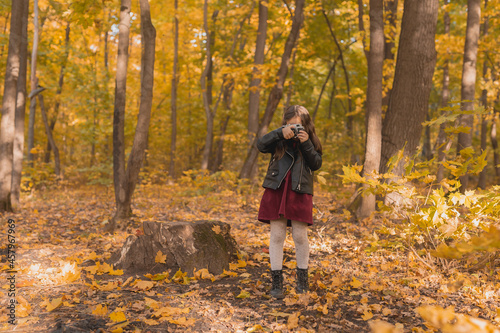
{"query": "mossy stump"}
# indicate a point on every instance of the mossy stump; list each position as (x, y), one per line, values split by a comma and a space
(186, 245)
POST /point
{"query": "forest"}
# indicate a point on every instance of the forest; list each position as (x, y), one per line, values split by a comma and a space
(117, 114)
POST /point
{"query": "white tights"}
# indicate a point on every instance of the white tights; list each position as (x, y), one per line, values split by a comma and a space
(278, 235)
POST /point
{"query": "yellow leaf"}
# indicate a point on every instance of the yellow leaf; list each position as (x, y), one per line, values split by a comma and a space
(243, 294)
(356, 283)
(386, 311)
(54, 304)
(183, 321)
(144, 285)
(24, 308)
(325, 263)
(151, 303)
(160, 257)
(117, 316)
(290, 264)
(168, 311)
(116, 272)
(100, 310)
(255, 328)
(380, 326)
(367, 315)
(127, 281)
(293, 321)
(216, 229)
(109, 286)
(150, 322)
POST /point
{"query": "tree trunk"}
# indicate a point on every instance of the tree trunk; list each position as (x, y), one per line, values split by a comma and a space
(206, 90)
(34, 83)
(469, 79)
(323, 90)
(8, 121)
(18, 151)
(254, 90)
(484, 101)
(391, 17)
(50, 138)
(277, 91)
(373, 102)
(445, 97)
(217, 165)
(494, 144)
(408, 104)
(173, 98)
(59, 91)
(122, 210)
(427, 148)
(289, 92)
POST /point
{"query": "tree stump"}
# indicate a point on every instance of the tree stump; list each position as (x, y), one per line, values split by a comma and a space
(186, 245)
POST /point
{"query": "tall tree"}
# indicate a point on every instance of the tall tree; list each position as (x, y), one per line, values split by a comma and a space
(277, 91)
(119, 111)
(50, 137)
(373, 101)
(469, 79)
(484, 101)
(18, 152)
(136, 157)
(7, 124)
(254, 90)
(173, 98)
(34, 84)
(409, 99)
(445, 97)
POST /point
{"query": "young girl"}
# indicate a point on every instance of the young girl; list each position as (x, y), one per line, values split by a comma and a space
(287, 199)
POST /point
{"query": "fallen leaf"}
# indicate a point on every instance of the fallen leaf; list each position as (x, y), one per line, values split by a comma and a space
(293, 321)
(117, 316)
(100, 310)
(160, 257)
(356, 283)
(183, 321)
(367, 315)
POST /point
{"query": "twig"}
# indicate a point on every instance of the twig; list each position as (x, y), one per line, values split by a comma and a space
(421, 259)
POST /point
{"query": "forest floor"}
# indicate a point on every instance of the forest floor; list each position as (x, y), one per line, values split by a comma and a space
(357, 274)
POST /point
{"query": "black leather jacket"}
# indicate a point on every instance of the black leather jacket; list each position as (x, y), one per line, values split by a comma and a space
(302, 161)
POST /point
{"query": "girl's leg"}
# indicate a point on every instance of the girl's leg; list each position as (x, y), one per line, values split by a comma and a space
(299, 233)
(278, 234)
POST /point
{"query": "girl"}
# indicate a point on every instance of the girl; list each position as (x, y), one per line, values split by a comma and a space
(287, 200)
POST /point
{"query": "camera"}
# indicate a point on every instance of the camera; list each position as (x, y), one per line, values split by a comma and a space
(296, 128)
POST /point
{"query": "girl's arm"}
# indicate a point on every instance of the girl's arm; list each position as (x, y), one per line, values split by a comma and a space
(311, 156)
(267, 144)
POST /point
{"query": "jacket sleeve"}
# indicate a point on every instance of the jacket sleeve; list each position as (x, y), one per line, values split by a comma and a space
(267, 144)
(311, 156)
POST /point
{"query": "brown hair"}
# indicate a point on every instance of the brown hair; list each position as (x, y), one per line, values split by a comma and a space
(300, 111)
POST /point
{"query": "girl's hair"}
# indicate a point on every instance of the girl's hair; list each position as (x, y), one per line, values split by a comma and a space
(300, 111)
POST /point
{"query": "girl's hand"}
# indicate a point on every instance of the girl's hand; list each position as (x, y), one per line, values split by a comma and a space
(303, 136)
(287, 132)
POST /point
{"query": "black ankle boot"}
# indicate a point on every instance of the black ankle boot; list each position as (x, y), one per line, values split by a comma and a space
(302, 283)
(277, 284)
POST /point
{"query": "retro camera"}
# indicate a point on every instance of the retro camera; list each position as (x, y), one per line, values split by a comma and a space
(296, 128)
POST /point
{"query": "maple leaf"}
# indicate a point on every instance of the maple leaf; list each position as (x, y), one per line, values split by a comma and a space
(293, 321)
(243, 294)
(143, 285)
(216, 229)
(52, 305)
(100, 310)
(160, 257)
(151, 322)
(356, 283)
(117, 316)
(380, 326)
(183, 321)
(367, 315)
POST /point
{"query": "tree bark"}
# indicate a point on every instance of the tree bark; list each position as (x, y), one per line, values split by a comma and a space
(469, 79)
(8, 121)
(408, 104)
(18, 151)
(373, 102)
(50, 137)
(206, 90)
(59, 90)
(136, 157)
(323, 90)
(119, 114)
(445, 97)
(391, 16)
(34, 83)
(254, 90)
(173, 98)
(484, 101)
(217, 165)
(277, 91)
(494, 143)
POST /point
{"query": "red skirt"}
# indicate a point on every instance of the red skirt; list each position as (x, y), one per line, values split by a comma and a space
(284, 202)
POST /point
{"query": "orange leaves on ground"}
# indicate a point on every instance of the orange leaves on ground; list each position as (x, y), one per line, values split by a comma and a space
(104, 268)
(243, 294)
(23, 308)
(107, 287)
(216, 229)
(367, 315)
(117, 316)
(160, 257)
(202, 274)
(356, 283)
(100, 310)
(183, 321)
(448, 321)
(380, 326)
(293, 321)
(143, 285)
(240, 264)
(52, 305)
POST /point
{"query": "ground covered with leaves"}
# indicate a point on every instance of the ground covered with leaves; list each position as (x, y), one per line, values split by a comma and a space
(362, 277)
